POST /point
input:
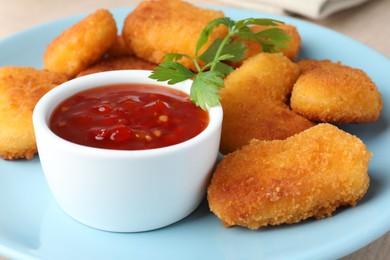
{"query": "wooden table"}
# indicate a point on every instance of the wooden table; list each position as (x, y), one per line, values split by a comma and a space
(367, 23)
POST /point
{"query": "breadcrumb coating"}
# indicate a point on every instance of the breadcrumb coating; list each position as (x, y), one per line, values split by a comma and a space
(291, 52)
(158, 27)
(118, 63)
(255, 99)
(119, 49)
(327, 91)
(286, 181)
(20, 90)
(82, 44)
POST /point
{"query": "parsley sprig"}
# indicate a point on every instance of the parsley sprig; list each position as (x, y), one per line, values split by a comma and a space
(208, 78)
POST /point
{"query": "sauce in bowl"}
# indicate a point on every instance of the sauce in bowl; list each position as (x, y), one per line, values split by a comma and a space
(128, 117)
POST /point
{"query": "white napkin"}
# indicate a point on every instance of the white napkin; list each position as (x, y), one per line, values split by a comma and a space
(316, 9)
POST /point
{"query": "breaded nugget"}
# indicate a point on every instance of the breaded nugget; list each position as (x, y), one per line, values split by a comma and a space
(119, 63)
(82, 44)
(285, 181)
(119, 49)
(254, 47)
(331, 92)
(254, 102)
(294, 46)
(155, 28)
(20, 90)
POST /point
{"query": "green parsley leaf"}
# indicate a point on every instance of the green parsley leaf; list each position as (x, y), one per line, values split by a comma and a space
(273, 39)
(204, 36)
(224, 69)
(173, 72)
(257, 21)
(208, 78)
(205, 89)
(245, 33)
(235, 48)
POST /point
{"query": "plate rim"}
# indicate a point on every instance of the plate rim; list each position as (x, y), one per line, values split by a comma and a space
(346, 250)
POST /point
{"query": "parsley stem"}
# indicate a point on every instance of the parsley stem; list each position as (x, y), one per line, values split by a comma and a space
(197, 65)
(220, 48)
(211, 70)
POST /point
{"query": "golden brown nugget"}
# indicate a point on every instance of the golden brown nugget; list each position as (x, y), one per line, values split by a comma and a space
(286, 181)
(82, 44)
(331, 92)
(157, 27)
(20, 90)
(294, 45)
(119, 49)
(254, 102)
(119, 63)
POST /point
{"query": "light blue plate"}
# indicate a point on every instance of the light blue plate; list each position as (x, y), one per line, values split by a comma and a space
(32, 226)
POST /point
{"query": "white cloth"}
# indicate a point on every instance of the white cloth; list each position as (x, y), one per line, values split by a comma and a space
(315, 9)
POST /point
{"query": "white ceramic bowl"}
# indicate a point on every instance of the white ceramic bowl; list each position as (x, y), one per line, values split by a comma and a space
(124, 191)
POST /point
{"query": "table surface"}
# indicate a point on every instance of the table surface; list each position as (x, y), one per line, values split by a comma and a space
(367, 23)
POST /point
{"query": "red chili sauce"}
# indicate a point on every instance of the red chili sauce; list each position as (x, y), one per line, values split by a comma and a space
(128, 117)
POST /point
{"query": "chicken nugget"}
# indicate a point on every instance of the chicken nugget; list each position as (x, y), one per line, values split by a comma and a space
(255, 99)
(156, 28)
(254, 47)
(20, 90)
(119, 63)
(119, 49)
(82, 44)
(286, 181)
(331, 92)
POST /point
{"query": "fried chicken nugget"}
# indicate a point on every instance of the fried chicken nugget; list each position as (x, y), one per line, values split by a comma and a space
(254, 102)
(331, 92)
(82, 44)
(119, 48)
(285, 181)
(20, 90)
(119, 63)
(155, 28)
(291, 52)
